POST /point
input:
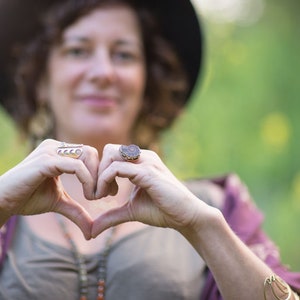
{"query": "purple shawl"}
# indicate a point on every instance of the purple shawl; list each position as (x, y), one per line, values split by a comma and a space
(6, 235)
(245, 220)
(243, 217)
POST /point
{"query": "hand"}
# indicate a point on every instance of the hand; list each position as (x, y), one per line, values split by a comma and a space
(158, 197)
(34, 187)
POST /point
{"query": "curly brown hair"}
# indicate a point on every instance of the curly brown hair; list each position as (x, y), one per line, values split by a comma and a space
(166, 86)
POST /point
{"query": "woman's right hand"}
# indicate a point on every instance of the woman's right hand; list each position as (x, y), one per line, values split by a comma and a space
(33, 186)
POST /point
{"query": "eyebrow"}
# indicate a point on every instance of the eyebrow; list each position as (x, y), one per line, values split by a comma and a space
(125, 42)
(74, 38)
(120, 42)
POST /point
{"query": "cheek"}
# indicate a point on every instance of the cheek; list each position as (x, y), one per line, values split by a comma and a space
(62, 86)
(64, 79)
(135, 89)
(135, 81)
(63, 75)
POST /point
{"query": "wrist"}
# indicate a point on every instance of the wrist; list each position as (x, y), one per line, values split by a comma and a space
(207, 224)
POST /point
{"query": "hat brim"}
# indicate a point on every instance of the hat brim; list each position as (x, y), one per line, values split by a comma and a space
(177, 18)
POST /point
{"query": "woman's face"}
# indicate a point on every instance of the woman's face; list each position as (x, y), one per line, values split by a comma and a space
(96, 77)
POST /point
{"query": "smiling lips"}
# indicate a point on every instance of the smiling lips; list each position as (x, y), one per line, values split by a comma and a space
(98, 101)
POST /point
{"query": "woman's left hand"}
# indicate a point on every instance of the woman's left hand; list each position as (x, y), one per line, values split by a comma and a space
(158, 197)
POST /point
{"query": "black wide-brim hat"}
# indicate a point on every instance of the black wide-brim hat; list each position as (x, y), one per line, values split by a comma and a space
(19, 22)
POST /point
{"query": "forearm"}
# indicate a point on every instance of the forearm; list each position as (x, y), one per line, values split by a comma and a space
(238, 272)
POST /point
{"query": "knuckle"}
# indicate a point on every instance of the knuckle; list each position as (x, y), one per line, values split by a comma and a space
(108, 148)
(46, 142)
(90, 151)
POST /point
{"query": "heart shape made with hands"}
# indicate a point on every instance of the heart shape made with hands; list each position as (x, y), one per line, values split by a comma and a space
(96, 194)
(93, 216)
(46, 181)
(123, 199)
(108, 201)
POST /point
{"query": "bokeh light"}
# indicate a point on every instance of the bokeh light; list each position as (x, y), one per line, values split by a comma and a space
(239, 11)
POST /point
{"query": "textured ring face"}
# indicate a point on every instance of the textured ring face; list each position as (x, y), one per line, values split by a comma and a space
(130, 152)
(70, 150)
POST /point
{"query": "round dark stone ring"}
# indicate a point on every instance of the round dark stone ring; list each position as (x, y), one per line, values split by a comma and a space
(130, 152)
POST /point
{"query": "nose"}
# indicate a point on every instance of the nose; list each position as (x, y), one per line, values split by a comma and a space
(101, 69)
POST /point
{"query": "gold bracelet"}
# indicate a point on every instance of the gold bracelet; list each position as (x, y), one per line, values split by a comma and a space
(281, 285)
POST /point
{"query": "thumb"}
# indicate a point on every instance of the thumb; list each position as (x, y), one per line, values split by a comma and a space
(110, 218)
(77, 214)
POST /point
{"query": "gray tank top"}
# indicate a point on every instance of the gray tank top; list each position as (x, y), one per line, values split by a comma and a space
(153, 263)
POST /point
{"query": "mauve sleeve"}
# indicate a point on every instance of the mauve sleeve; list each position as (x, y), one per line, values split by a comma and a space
(6, 235)
(246, 220)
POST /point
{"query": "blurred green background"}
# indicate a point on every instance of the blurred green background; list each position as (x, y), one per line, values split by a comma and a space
(243, 117)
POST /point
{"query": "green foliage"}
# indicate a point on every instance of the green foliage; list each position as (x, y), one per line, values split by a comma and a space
(244, 118)
(12, 147)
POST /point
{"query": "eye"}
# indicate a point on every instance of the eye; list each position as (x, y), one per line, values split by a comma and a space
(76, 51)
(124, 55)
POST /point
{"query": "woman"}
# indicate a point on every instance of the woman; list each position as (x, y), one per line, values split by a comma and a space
(100, 76)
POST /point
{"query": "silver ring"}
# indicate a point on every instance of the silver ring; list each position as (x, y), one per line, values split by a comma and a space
(70, 150)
